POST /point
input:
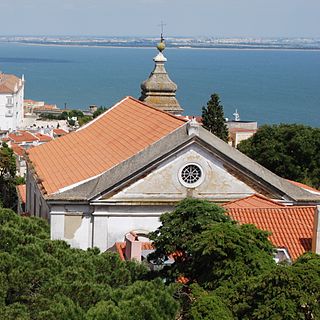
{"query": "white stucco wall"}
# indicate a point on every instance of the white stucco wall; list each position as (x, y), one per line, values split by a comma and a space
(11, 114)
(163, 183)
(111, 223)
(138, 206)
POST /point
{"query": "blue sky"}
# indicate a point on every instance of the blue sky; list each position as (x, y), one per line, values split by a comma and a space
(220, 18)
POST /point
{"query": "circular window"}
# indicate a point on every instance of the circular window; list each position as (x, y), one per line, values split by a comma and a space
(191, 175)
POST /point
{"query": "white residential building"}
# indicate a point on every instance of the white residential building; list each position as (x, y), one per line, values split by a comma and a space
(11, 101)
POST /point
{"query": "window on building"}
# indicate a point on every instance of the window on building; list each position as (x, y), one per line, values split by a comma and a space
(9, 100)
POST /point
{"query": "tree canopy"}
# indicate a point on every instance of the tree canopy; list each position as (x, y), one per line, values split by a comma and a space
(213, 118)
(230, 268)
(290, 150)
(210, 248)
(44, 279)
(99, 111)
(8, 194)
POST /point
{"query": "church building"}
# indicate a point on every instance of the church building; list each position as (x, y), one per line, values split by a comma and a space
(120, 172)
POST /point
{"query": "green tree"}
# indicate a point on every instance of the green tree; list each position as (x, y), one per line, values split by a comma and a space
(8, 194)
(83, 120)
(213, 118)
(209, 248)
(289, 150)
(42, 279)
(286, 292)
(75, 113)
(99, 111)
(208, 306)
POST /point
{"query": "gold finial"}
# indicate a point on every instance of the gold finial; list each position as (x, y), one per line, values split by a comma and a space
(161, 45)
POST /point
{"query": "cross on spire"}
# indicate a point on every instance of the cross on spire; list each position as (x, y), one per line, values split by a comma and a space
(162, 25)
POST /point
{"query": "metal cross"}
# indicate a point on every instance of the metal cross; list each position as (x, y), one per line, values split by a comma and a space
(162, 25)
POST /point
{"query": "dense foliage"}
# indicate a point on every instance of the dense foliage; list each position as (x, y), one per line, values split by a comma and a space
(68, 115)
(211, 249)
(99, 111)
(213, 118)
(230, 268)
(8, 194)
(228, 271)
(44, 279)
(289, 150)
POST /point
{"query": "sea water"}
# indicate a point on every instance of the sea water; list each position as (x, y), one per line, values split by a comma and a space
(269, 86)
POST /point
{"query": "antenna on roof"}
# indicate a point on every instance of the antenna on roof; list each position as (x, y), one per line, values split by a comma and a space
(236, 115)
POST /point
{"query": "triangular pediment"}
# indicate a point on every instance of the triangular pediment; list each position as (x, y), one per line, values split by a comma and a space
(168, 181)
(153, 174)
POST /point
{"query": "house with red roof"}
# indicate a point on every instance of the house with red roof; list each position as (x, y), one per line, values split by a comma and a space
(117, 174)
(11, 101)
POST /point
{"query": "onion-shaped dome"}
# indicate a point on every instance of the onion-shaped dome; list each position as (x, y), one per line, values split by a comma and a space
(159, 90)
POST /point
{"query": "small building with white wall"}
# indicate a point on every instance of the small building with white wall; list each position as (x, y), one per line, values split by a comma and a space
(11, 101)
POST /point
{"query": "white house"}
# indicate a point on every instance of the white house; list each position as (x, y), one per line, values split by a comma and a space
(11, 101)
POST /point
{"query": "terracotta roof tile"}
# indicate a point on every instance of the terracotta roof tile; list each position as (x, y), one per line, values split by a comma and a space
(9, 83)
(234, 130)
(291, 227)
(304, 186)
(59, 132)
(43, 137)
(22, 136)
(18, 150)
(21, 189)
(113, 137)
(253, 201)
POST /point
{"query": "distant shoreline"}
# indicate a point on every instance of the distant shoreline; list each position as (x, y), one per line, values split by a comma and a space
(253, 48)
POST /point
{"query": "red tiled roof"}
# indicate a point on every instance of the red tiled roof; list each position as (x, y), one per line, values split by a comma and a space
(18, 150)
(304, 186)
(116, 135)
(8, 83)
(21, 189)
(253, 201)
(60, 132)
(22, 136)
(234, 130)
(291, 227)
(46, 107)
(43, 137)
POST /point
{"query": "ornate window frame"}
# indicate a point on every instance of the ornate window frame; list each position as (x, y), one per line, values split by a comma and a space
(199, 178)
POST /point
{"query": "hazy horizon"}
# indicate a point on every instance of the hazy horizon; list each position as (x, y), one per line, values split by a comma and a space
(155, 36)
(141, 18)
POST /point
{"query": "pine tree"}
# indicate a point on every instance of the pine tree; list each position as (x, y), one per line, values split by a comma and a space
(213, 118)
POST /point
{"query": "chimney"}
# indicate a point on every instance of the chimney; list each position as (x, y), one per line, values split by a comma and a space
(193, 127)
(133, 247)
(316, 231)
